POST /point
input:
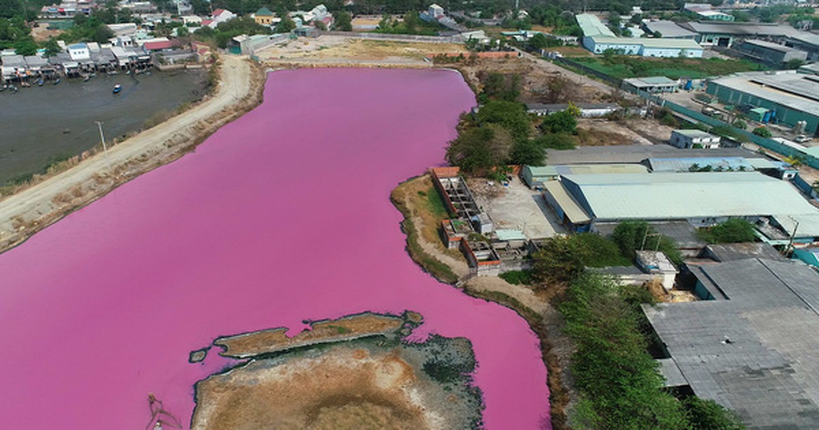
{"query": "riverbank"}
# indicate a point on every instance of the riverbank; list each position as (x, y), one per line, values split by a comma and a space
(48, 198)
(544, 320)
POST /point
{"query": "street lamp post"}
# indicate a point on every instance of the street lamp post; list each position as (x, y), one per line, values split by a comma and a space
(102, 137)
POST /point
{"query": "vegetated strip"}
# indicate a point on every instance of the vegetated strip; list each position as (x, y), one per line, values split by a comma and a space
(326, 331)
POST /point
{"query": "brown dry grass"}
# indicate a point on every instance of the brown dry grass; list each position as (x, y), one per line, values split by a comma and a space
(349, 49)
(273, 340)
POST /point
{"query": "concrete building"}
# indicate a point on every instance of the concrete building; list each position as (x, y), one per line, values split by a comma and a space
(751, 345)
(702, 199)
(656, 263)
(482, 258)
(686, 139)
(653, 84)
(645, 47)
(79, 52)
(770, 53)
(793, 97)
(219, 16)
(706, 12)
(263, 16)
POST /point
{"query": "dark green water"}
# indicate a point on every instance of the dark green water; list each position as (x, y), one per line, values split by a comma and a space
(33, 121)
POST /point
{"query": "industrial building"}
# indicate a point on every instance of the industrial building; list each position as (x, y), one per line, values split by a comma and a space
(702, 199)
(652, 84)
(640, 154)
(724, 33)
(770, 53)
(751, 345)
(686, 139)
(668, 30)
(536, 176)
(706, 12)
(587, 110)
(598, 38)
(793, 97)
(645, 47)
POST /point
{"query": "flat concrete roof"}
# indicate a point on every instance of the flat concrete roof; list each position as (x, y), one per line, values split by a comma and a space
(756, 352)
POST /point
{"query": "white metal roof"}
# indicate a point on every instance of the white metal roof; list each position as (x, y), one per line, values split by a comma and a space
(687, 195)
(592, 26)
(573, 211)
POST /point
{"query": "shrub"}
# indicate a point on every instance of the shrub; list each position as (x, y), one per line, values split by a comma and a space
(631, 236)
(762, 131)
(734, 230)
(556, 141)
(517, 277)
(560, 122)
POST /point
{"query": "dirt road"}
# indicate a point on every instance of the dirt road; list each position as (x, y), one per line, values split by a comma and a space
(34, 208)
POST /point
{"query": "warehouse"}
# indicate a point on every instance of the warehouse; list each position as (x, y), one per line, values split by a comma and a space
(703, 199)
(794, 97)
(668, 30)
(724, 34)
(535, 176)
(753, 346)
(773, 54)
(646, 47)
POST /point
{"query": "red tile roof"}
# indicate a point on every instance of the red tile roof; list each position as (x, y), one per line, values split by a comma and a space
(217, 12)
(157, 46)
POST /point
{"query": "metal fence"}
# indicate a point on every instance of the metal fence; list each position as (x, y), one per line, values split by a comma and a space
(616, 82)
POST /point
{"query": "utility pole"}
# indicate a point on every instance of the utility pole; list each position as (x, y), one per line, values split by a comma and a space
(102, 137)
(793, 235)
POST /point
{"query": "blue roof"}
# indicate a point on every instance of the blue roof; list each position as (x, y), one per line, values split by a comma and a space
(78, 46)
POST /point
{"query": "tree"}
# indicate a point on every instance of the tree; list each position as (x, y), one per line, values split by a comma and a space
(632, 236)
(762, 131)
(538, 42)
(182, 32)
(510, 115)
(51, 48)
(794, 64)
(559, 122)
(25, 46)
(559, 260)
(477, 150)
(320, 25)
(344, 22)
(735, 230)
(286, 25)
(527, 152)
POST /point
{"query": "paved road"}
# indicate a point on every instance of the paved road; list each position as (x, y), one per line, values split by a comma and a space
(45, 202)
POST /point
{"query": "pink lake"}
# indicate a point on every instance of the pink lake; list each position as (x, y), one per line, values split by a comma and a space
(281, 216)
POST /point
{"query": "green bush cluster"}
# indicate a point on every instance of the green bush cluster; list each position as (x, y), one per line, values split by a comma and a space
(735, 230)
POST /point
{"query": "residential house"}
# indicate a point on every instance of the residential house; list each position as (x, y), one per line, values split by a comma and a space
(686, 139)
(263, 16)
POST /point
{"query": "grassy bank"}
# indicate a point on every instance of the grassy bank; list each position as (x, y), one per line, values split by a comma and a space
(434, 211)
(636, 67)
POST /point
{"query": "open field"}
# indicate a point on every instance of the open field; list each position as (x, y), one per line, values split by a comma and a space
(674, 68)
(338, 49)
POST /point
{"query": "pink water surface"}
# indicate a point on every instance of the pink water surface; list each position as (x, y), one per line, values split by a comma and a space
(281, 216)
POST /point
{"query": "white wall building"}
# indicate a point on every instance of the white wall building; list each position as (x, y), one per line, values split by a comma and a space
(79, 52)
(686, 139)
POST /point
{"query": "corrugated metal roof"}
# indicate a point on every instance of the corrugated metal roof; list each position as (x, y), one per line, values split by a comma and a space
(573, 211)
(592, 26)
(808, 224)
(636, 154)
(687, 195)
(683, 164)
(754, 353)
(539, 172)
(669, 29)
(796, 91)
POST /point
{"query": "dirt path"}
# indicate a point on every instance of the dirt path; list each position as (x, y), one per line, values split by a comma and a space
(40, 205)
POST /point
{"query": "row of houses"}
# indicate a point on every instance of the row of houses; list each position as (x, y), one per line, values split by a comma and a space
(82, 58)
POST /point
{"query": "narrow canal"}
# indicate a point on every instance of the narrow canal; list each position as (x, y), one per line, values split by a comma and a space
(41, 125)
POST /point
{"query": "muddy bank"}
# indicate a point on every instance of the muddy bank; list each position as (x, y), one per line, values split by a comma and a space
(373, 383)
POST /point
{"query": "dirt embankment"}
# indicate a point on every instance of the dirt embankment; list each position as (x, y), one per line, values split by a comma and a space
(31, 209)
(424, 246)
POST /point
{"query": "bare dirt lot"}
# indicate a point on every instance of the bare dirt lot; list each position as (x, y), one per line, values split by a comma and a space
(338, 49)
(601, 132)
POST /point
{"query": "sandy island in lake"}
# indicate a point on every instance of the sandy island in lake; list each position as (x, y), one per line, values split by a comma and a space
(356, 372)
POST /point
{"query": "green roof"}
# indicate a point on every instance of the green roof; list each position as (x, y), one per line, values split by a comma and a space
(592, 27)
(264, 12)
(508, 234)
